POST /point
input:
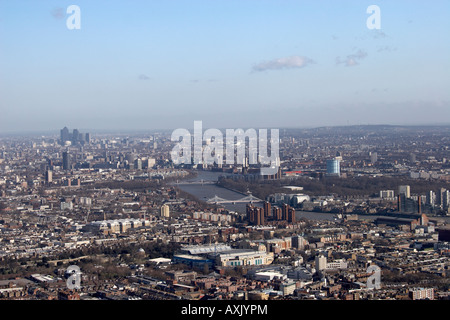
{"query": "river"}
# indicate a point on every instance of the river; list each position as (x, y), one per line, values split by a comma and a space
(202, 187)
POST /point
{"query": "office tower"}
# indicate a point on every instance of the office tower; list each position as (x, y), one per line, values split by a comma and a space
(405, 190)
(65, 135)
(48, 176)
(333, 167)
(81, 137)
(66, 161)
(75, 135)
(165, 211)
(138, 164)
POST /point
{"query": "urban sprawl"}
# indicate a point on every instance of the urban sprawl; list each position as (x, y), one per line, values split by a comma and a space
(344, 199)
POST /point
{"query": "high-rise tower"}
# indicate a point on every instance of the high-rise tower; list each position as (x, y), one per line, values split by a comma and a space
(66, 161)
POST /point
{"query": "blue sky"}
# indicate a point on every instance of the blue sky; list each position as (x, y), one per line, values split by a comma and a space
(248, 63)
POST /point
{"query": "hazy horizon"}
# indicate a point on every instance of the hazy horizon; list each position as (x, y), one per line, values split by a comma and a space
(151, 65)
(56, 132)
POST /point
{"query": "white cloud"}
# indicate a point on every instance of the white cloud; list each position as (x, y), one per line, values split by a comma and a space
(378, 34)
(352, 59)
(292, 62)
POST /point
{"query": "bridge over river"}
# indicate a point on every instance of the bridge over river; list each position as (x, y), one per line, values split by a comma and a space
(204, 187)
(248, 199)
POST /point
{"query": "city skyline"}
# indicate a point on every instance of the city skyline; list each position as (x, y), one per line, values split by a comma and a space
(154, 65)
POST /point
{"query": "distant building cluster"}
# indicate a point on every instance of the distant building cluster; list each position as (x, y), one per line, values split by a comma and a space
(422, 203)
(73, 138)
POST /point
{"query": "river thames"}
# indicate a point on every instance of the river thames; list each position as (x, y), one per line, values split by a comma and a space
(202, 188)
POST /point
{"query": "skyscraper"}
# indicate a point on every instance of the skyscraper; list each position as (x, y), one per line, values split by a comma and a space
(48, 176)
(138, 164)
(74, 137)
(65, 135)
(66, 161)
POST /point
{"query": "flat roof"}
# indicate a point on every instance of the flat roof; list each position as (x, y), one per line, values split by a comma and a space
(206, 249)
(237, 252)
(160, 260)
(190, 257)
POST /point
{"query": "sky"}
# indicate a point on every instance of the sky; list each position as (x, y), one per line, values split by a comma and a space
(155, 64)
